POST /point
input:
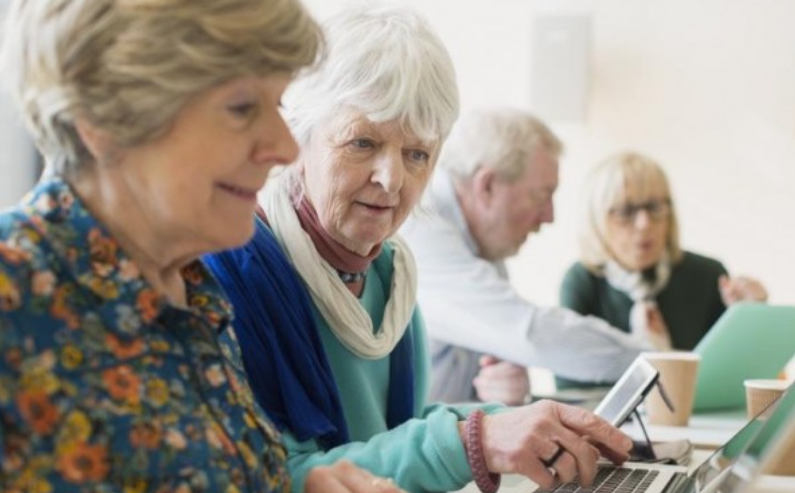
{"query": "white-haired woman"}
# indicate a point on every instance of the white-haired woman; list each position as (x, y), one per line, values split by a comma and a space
(632, 271)
(159, 122)
(349, 357)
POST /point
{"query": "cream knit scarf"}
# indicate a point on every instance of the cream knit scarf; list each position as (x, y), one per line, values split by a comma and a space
(642, 291)
(340, 308)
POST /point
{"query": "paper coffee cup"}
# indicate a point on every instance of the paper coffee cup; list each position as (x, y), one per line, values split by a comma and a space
(678, 371)
(760, 394)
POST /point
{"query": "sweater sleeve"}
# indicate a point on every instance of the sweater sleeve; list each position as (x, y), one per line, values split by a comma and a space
(718, 307)
(423, 454)
(420, 455)
(575, 292)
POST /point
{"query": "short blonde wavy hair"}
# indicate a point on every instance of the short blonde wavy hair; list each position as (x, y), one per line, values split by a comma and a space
(606, 187)
(129, 66)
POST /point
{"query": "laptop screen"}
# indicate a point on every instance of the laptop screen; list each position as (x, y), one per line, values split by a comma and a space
(730, 352)
(774, 430)
(749, 440)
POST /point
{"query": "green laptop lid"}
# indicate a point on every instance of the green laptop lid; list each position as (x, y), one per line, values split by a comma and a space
(750, 340)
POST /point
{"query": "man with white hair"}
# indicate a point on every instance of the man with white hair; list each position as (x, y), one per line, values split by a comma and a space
(494, 185)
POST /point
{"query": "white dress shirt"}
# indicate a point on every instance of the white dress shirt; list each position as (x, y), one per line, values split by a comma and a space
(469, 304)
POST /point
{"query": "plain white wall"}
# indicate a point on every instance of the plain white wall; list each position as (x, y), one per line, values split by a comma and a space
(707, 88)
(17, 157)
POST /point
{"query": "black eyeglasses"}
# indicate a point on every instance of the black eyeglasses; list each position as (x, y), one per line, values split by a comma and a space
(657, 210)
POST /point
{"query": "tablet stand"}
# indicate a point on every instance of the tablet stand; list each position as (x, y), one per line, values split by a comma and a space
(642, 450)
(645, 450)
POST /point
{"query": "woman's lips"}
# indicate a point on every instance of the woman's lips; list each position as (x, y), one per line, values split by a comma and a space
(240, 192)
(645, 245)
(375, 208)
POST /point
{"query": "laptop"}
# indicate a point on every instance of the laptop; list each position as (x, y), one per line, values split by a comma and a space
(770, 448)
(750, 340)
(709, 477)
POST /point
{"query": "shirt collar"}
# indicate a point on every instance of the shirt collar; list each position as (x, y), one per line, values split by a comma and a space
(447, 206)
(97, 262)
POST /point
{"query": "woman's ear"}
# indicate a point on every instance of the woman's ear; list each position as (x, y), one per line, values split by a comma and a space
(98, 143)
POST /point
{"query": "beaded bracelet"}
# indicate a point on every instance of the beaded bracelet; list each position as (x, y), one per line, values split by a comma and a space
(487, 482)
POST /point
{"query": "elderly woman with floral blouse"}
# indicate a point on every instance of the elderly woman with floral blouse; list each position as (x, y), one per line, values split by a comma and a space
(159, 122)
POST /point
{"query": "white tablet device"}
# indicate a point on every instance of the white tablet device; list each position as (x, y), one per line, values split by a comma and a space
(628, 392)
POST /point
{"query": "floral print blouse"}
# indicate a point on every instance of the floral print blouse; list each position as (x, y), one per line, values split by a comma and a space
(105, 386)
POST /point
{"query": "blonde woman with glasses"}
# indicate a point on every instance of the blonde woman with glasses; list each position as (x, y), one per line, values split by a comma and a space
(632, 271)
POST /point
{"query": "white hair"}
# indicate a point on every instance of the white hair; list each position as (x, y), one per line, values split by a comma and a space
(384, 61)
(503, 140)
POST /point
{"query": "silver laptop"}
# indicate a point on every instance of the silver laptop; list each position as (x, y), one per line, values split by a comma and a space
(712, 476)
(768, 448)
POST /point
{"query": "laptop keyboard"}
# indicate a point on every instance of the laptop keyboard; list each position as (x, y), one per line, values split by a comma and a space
(612, 480)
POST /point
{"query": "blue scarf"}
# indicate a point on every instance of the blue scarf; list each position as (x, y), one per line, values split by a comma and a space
(283, 355)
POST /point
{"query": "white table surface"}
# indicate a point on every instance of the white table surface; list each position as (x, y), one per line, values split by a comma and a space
(706, 431)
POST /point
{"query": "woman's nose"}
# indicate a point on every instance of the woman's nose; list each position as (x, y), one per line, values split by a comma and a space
(276, 144)
(389, 171)
(641, 219)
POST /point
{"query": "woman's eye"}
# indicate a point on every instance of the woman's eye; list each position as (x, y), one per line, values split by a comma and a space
(417, 155)
(362, 143)
(242, 109)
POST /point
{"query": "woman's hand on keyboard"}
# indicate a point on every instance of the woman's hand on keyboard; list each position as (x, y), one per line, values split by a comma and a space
(550, 442)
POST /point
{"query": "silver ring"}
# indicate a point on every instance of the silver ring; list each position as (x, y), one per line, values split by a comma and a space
(376, 482)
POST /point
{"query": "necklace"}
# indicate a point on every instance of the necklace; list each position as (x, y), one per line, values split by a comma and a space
(350, 277)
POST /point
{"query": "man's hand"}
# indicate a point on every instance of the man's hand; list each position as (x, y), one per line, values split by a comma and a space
(501, 381)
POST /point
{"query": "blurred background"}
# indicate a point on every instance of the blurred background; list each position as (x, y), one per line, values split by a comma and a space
(707, 88)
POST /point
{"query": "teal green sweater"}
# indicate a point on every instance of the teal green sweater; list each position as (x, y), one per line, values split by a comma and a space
(690, 303)
(424, 454)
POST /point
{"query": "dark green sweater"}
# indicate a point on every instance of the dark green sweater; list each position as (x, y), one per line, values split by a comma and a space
(689, 304)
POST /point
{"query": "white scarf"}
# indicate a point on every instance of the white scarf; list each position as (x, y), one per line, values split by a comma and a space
(642, 292)
(340, 308)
